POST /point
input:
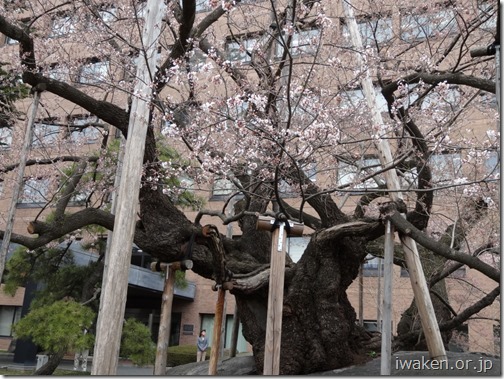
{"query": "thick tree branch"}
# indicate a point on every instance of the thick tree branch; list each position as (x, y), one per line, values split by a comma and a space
(309, 220)
(454, 266)
(370, 231)
(68, 191)
(459, 319)
(47, 161)
(406, 228)
(463, 316)
(49, 232)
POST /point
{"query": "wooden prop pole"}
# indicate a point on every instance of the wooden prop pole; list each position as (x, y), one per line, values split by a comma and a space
(217, 328)
(417, 277)
(166, 311)
(386, 326)
(276, 287)
(115, 282)
(234, 333)
(19, 180)
(222, 284)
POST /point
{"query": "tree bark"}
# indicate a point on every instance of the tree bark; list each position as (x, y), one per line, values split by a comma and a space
(52, 364)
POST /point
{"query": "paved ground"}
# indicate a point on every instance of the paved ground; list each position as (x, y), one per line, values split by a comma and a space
(123, 368)
(403, 363)
(416, 363)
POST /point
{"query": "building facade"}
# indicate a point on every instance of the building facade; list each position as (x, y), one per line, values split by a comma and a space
(70, 129)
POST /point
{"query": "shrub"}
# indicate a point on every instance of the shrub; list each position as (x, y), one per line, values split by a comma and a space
(58, 326)
(183, 354)
(136, 343)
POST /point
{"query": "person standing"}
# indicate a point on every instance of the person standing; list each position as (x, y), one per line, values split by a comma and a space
(202, 345)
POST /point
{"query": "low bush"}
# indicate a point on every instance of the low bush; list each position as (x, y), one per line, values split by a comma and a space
(183, 354)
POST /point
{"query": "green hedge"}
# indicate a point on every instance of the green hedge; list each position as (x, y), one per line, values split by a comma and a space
(183, 354)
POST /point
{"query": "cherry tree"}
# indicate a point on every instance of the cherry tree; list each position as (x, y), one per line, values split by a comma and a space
(262, 99)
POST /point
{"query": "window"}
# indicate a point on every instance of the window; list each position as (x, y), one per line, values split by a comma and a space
(488, 14)
(8, 316)
(186, 183)
(497, 339)
(447, 99)
(445, 167)
(404, 272)
(108, 15)
(59, 73)
(35, 191)
(201, 5)
(421, 26)
(355, 98)
(352, 173)
(207, 322)
(291, 188)
(296, 247)
(303, 42)
(94, 72)
(5, 138)
(10, 41)
(371, 326)
(84, 130)
(492, 164)
(238, 110)
(310, 170)
(240, 50)
(488, 99)
(79, 198)
(44, 134)
(372, 266)
(188, 329)
(197, 59)
(287, 190)
(372, 31)
(222, 187)
(62, 26)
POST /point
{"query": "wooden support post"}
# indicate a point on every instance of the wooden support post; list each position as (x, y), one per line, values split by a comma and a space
(117, 179)
(276, 287)
(217, 327)
(275, 303)
(386, 326)
(236, 319)
(115, 282)
(234, 333)
(378, 295)
(166, 311)
(417, 277)
(361, 295)
(19, 181)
